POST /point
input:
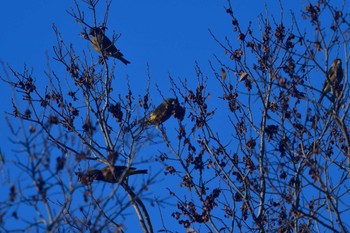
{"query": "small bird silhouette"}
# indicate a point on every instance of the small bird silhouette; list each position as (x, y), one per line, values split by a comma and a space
(162, 113)
(334, 78)
(103, 45)
(110, 174)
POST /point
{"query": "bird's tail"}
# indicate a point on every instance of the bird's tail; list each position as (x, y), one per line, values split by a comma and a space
(122, 59)
(134, 172)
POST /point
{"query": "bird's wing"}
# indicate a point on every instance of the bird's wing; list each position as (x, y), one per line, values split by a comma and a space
(109, 47)
(331, 73)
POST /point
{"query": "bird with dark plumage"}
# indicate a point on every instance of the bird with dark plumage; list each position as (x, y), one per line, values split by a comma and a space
(333, 78)
(162, 113)
(110, 174)
(103, 45)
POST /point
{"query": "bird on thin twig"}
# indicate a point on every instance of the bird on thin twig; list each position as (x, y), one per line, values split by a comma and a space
(163, 112)
(169, 107)
(333, 79)
(110, 174)
(102, 44)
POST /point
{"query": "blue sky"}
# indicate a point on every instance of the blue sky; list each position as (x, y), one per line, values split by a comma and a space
(169, 36)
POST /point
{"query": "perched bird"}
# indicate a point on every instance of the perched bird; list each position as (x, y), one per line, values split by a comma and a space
(111, 174)
(162, 113)
(334, 78)
(169, 107)
(103, 45)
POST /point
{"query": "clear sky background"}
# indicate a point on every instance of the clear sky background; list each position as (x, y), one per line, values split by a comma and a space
(169, 36)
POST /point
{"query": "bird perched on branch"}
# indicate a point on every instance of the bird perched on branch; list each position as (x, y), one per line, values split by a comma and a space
(110, 174)
(103, 45)
(163, 112)
(333, 78)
